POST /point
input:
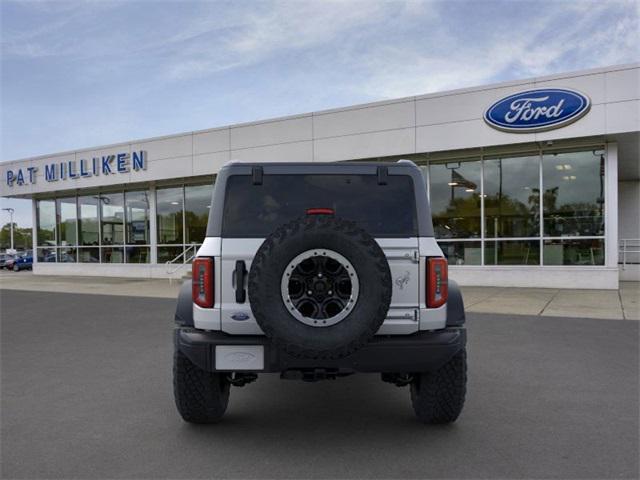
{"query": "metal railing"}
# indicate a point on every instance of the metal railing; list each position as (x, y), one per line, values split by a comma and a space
(186, 256)
(628, 246)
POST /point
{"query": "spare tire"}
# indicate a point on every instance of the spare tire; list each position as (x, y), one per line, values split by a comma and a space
(320, 287)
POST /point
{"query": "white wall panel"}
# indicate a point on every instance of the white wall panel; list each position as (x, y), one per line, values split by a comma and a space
(361, 120)
(271, 133)
(178, 146)
(592, 85)
(540, 277)
(392, 142)
(593, 123)
(623, 85)
(164, 169)
(286, 152)
(211, 141)
(209, 163)
(469, 134)
(623, 117)
(461, 107)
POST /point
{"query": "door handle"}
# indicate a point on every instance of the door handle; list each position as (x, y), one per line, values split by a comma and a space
(240, 273)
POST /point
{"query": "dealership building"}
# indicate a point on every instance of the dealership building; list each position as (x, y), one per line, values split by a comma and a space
(533, 182)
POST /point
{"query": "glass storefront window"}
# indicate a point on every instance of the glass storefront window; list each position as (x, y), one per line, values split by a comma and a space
(66, 255)
(46, 217)
(137, 254)
(67, 221)
(89, 255)
(137, 218)
(574, 252)
(573, 198)
(47, 254)
(512, 252)
(169, 209)
(88, 228)
(197, 200)
(462, 253)
(112, 255)
(166, 254)
(512, 197)
(112, 218)
(455, 199)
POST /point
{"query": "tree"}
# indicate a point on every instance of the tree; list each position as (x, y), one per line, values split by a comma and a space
(22, 237)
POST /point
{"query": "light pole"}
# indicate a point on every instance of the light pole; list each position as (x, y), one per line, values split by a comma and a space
(10, 210)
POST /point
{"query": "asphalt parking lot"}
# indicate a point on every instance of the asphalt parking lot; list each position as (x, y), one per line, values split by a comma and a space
(86, 393)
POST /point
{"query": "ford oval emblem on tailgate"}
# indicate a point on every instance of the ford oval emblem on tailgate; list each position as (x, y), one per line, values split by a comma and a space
(240, 316)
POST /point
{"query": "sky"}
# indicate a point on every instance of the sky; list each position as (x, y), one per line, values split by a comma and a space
(87, 73)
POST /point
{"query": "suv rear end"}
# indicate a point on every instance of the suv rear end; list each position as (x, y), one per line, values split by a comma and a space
(318, 271)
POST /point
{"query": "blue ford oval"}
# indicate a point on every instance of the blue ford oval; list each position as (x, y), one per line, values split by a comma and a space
(537, 110)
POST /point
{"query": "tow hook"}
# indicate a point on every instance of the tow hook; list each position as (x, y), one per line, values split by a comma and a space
(241, 379)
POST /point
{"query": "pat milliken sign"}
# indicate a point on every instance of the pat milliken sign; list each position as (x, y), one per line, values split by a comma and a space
(105, 165)
(537, 110)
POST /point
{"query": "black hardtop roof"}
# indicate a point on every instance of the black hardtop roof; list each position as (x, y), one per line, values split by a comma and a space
(257, 169)
(233, 163)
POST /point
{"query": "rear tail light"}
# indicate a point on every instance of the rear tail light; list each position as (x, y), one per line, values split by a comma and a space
(320, 211)
(202, 283)
(437, 282)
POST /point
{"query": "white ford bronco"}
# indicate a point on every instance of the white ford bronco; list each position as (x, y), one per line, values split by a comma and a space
(317, 271)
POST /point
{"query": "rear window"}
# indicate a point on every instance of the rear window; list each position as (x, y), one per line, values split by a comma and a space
(257, 210)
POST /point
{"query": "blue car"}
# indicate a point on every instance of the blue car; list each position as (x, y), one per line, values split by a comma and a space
(23, 262)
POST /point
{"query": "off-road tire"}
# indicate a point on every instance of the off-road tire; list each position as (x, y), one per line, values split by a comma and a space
(438, 397)
(318, 232)
(201, 397)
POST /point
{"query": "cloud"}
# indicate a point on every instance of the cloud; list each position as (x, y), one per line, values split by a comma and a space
(557, 39)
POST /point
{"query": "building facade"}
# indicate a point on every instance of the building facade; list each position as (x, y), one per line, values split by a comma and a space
(532, 183)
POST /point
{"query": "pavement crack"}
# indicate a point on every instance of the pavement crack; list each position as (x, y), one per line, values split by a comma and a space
(550, 300)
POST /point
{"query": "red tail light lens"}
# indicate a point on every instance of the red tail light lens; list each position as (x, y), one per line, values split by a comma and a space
(437, 282)
(202, 282)
(320, 211)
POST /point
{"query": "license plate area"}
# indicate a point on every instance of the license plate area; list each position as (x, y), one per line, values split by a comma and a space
(239, 357)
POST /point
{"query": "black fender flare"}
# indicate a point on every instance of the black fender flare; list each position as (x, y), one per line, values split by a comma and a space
(455, 306)
(184, 309)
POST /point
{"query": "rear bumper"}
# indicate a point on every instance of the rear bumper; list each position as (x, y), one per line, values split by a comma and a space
(420, 352)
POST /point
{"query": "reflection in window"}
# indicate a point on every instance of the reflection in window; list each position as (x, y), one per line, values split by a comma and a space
(166, 254)
(196, 212)
(67, 219)
(512, 197)
(112, 218)
(46, 255)
(137, 218)
(112, 254)
(512, 252)
(88, 220)
(66, 255)
(462, 253)
(455, 199)
(137, 254)
(46, 217)
(169, 208)
(89, 255)
(573, 198)
(574, 252)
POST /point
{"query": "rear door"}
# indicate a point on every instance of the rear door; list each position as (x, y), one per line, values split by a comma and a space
(385, 210)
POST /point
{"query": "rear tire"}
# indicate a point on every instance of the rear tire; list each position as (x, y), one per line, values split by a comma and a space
(201, 397)
(438, 397)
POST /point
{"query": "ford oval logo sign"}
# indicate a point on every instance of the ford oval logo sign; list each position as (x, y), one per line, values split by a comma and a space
(537, 110)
